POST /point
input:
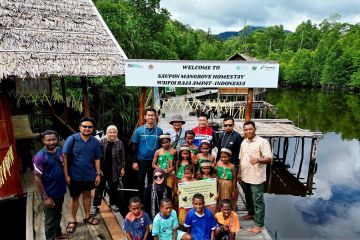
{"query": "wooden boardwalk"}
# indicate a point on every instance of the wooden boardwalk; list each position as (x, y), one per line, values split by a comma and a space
(108, 227)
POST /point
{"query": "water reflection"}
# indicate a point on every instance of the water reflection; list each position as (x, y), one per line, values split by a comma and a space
(334, 209)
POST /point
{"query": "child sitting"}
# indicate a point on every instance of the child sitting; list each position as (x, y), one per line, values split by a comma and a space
(137, 222)
(228, 222)
(200, 221)
(166, 223)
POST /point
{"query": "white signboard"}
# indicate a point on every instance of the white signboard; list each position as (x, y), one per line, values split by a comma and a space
(230, 74)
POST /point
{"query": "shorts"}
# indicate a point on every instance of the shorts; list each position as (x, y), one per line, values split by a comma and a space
(179, 234)
(77, 187)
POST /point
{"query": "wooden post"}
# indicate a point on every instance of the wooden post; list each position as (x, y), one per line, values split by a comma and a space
(312, 166)
(63, 92)
(249, 101)
(142, 106)
(86, 96)
(51, 96)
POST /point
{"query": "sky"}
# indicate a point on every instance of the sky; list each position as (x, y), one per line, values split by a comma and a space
(230, 15)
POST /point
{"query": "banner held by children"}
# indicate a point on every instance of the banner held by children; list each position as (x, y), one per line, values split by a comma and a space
(206, 187)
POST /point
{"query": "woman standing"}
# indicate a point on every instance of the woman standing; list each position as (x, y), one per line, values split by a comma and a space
(112, 167)
(155, 192)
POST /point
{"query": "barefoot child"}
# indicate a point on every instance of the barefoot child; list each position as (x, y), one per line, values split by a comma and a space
(188, 177)
(226, 178)
(228, 222)
(164, 158)
(200, 221)
(137, 222)
(204, 154)
(166, 223)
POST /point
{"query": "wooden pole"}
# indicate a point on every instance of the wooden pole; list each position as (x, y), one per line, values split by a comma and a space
(84, 87)
(63, 92)
(142, 106)
(51, 96)
(249, 101)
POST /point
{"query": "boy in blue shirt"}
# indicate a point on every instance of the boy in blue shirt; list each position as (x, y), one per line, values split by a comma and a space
(166, 223)
(137, 222)
(200, 221)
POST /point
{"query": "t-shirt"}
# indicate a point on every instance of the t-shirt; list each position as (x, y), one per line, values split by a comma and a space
(50, 166)
(201, 134)
(232, 221)
(148, 140)
(136, 226)
(82, 166)
(201, 226)
(163, 227)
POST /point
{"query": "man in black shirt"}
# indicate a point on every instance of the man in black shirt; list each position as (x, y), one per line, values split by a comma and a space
(230, 139)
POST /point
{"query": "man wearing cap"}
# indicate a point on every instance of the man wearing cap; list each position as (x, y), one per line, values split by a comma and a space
(145, 143)
(255, 154)
(177, 132)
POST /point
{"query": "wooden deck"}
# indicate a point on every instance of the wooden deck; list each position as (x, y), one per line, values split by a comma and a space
(108, 228)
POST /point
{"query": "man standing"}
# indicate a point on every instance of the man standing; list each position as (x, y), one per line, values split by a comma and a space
(255, 153)
(81, 155)
(230, 139)
(145, 144)
(50, 181)
(177, 132)
(203, 131)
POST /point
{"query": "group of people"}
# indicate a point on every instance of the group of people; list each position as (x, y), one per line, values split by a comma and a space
(161, 161)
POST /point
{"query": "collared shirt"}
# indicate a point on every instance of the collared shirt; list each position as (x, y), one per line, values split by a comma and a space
(50, 166)
(82, 166)
(258, 147)
(136, 226)
(148, 140)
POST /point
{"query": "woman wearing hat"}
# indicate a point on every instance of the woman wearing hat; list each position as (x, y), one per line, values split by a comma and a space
(164, 158)
(177, 132)
(226, 178)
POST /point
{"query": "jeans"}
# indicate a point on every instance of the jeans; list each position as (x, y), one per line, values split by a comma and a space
(53, 219)
(112, 191)
(254, 196)
(145, 168)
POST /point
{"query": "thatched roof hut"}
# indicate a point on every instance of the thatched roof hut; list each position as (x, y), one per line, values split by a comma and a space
(42, 38)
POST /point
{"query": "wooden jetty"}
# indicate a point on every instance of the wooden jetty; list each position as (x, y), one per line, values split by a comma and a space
(109, 227)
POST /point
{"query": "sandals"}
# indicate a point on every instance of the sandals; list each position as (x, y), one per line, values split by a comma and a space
(71, 226)
(91, 220)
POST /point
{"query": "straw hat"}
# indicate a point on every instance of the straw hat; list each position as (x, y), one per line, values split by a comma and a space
(177, 118)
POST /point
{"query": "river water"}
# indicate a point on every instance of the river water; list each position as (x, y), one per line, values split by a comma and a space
(333, 211)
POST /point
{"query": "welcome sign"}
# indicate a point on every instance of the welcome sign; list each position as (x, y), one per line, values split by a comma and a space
(161, 73)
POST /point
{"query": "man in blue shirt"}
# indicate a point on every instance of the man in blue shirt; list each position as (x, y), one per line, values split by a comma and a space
(82, 170)
(50, 181)
(145, 144)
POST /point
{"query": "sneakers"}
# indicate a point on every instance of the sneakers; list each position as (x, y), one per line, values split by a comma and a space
(114, 208)
(94, 211)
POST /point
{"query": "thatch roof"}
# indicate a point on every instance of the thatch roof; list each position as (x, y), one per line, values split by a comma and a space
(40, 38)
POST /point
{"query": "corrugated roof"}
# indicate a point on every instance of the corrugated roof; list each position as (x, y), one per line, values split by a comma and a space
(56, 38)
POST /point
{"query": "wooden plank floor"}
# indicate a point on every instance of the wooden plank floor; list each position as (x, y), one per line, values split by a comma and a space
(108, 227)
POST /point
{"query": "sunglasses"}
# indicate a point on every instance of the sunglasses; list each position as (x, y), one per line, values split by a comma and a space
(228, 125)
(158, 176)
(86, 126)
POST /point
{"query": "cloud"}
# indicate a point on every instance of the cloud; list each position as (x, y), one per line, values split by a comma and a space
(230, 15)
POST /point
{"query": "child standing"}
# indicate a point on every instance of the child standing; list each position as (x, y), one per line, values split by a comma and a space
(228, 222)
(166, 223)
(188, 177)
(200, 221)
(204, 154)
(189, 138)
(164, 159)
(226, 177)
(137, 222)
(185, 160)
(206, 172)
